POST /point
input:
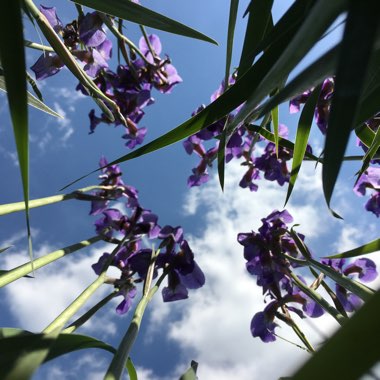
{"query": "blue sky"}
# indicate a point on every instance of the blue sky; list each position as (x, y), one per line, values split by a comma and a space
(212, 326)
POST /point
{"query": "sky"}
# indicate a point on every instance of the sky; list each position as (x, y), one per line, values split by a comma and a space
(212, 326)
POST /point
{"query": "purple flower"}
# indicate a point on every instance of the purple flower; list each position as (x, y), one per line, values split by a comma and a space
(365, 268)
(51, 15)
(263, 325)
(90, 30)
(135, 138)
(47, 65)
(247, 180)
(373, 204)
(126, 304)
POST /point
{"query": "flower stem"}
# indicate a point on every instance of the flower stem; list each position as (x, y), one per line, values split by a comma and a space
(115, 370)
(85, 317)
(23, 270)
(36, 46)
(20, 206)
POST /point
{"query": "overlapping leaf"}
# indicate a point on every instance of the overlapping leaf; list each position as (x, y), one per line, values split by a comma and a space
(351, 73)
(372, 246)
(131, 11)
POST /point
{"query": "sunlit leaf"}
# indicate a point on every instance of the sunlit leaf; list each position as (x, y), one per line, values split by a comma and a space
(13, 64)
(258, 24)
(350, 75)
(372, 246)
(372, 150)
(4, 249)
(33, 101)
(302, 138)
(350, 353)
(131, 370)
(191, 373)
(131, 11)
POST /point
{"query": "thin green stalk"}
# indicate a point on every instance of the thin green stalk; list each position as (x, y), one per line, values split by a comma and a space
(62, 319)
(35, 45)
(23, 270)
(86, 316)
(146, 38)
(115, 370)
(109, 23)
(20, 206)
(319, 299)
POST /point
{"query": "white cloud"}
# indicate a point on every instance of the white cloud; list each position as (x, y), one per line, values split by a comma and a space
(54, 287)
(214, 327)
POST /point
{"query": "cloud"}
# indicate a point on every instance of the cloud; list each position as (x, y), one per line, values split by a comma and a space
(54, 288)
(214, 324)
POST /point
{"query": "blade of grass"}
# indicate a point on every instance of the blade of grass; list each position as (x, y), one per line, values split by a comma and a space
(302, 138)
(138, 14)
(372, 246)
(350, 76)
(13, 63)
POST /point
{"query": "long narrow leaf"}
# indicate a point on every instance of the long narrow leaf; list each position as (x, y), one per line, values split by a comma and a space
(131, 11)
(372, 246)
(33, 101)
(302, 137)
(351, 73)
(191, 373)
(348, 354)
(258, 24)
(372, 150)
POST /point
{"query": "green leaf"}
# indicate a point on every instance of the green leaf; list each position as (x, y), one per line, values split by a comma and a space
(372, 246)
(275, 121)
(22, 352)
(13, 64)
(230, 41)
(321, 16)
(128, 10)
(302, 137)
(4, 249)
(33, 101)
(191, 373)
(131, 370)
(372, 150)
(353, 286)
(350, 76)
(226, 103)
(365, 134)
(349, 354)
(282, 141)
(258, 24)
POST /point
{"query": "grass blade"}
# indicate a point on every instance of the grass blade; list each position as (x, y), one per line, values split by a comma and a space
(13, 64)
(372, 246)
(302, 137)
(350, 76)
(138, 14)
(258, 24)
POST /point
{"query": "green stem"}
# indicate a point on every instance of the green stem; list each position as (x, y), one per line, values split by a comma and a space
(62, 319)
(109, 23)
(35, 45)
(85, 317)
(319, 299)
(23, 270)
(115, 370)
(20, 206)
(146, 38)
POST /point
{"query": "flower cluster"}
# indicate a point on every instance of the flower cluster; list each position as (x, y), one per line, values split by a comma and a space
(129, 230)
(269, 254)
(129, 87)
(364, 268)
(86, 40)
(264, 252)
(241, 145)
(371, 178)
